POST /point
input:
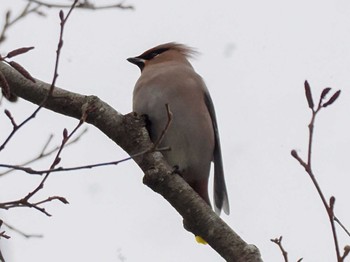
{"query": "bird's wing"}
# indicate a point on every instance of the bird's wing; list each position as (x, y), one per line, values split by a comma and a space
(220, 191)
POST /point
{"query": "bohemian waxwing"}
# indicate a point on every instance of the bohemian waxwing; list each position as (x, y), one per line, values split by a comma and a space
(167, 77)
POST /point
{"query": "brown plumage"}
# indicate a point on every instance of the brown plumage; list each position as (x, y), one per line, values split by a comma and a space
(167, 77)
(187, 51)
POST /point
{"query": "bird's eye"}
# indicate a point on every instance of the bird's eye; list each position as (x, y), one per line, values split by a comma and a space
(153, 55)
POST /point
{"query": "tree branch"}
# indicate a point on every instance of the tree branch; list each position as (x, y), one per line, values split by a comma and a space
(83, 5)
(329, 206)
(278, 242)
(26, 235)
(9, 22)
(129, 132)
(43, 153)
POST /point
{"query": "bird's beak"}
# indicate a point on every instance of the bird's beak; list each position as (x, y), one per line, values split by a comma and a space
(140, 62)
(135, 60)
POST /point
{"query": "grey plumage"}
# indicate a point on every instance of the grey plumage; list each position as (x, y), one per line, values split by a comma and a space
(167, 77)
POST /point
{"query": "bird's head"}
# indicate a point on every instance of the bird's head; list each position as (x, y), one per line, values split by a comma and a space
(166, 52)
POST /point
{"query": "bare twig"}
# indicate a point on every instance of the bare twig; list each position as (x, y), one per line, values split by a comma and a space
(341, 225)
(43, 154)
(21, 232)
(28, 9)
(346, 252)
(34, 6)
(2, 259)
(24, 202)
(307, 165)
(55, 162)
(31, 171)
(278, 242)
(58, 53)
(3, 234)
(155, 147)
(83, 5)
(167, 125)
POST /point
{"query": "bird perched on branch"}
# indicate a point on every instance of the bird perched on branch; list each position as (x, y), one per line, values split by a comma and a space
(167, 77)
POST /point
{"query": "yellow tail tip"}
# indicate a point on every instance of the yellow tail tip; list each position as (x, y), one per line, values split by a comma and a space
(201, 240)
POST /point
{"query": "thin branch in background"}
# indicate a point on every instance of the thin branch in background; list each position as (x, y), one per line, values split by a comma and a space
(2, 259)
(9, 21)
(63, 20)
(83, 5)
(2, 235)
(341, 225)
(155, 147)
(278, 242)
(33, 7)
(55, 162)
(167, 125)
(32, 171)
(329, 206)
(20, 232)
(24, 202)
(346, 252)
(43, 153)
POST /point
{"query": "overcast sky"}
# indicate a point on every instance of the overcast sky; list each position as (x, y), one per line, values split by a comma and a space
(255, 57)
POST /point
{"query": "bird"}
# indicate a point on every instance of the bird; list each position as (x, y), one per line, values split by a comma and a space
(168, 78)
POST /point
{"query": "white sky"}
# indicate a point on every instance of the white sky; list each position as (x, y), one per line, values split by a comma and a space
(255, 57)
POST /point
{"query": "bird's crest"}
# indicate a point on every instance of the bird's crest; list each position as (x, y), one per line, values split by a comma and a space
(187, 51)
